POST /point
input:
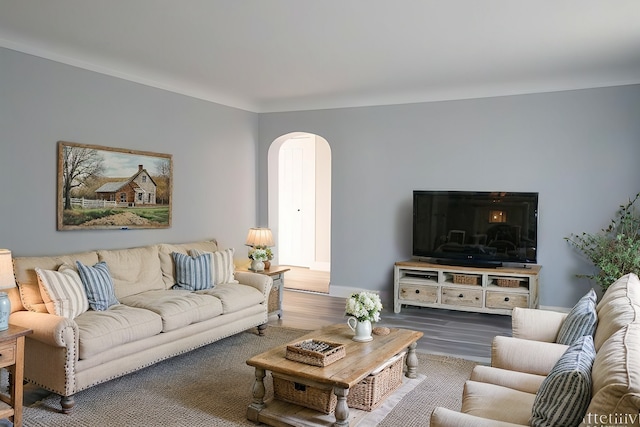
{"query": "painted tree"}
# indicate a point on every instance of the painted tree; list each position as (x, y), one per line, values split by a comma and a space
(79, 165)
(162, 178)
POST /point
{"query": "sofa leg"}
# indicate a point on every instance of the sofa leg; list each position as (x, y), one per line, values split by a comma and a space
(67, 403)
(261, 329)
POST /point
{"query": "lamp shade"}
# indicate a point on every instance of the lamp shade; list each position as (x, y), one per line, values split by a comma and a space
(259, 237)
(7, 279)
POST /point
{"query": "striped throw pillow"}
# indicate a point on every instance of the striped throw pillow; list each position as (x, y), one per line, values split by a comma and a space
(223, 268)
(193, 273)
(98, 284)
(581, 320)
(62, 291)
(564, 395)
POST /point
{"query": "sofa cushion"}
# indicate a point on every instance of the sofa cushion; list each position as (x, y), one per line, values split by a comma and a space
(235, 296)
(193, 273)
(615, 374)
(62, 291)
(223, 266)
(27, 279)
(496, 402)
(134, 270)
(166, 260)
(102, 330)
(98, 284)
(581, 320)
(618, 307)
(565, 393)
(177, 308)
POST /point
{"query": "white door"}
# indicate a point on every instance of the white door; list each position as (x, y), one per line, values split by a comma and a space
(296, 237)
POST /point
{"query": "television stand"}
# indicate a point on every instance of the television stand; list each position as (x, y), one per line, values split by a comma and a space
(467, 288)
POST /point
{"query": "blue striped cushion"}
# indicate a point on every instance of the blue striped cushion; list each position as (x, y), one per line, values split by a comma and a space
(581, 320)
(98, 284)
(192, 273)
(564, 395)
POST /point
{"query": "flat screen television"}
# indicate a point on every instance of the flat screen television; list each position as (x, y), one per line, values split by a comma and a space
(483, 229)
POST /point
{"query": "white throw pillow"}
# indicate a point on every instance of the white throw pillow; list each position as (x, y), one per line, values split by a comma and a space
(62, 291)
(222, 267)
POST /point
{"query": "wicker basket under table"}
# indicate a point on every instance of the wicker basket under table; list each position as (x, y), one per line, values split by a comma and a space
(367, 395)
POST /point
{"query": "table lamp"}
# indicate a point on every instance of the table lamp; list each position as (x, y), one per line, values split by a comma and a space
(7, 280)
(259, 238)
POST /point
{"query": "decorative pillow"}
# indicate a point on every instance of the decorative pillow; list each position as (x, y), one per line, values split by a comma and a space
(564, 395)
(581, 320)
(62, 291)
(223, 267)
(193, 273)
(98, 284)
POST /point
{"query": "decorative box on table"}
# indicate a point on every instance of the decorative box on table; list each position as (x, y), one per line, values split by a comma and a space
(316, 353)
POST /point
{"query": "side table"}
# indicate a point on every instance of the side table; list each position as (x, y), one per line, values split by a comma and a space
(12, 358)
(276, 273)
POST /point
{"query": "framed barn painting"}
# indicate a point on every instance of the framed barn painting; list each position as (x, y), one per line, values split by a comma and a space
(112, 188)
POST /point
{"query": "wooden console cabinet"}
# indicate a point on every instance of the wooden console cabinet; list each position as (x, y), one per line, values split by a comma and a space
(483, 290)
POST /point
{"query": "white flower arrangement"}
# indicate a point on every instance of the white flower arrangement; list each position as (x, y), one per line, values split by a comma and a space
(259, 255)
(364, 306)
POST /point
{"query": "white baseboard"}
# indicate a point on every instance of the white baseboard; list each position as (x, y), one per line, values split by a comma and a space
(347, 291)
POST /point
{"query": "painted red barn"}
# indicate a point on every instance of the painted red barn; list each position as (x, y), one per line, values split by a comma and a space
(140, 189)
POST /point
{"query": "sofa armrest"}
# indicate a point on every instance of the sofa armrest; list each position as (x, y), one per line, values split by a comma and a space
(533, 357)
(536, 325)
(443, 417)
(521, 381)
(261, 282)
(49, 329)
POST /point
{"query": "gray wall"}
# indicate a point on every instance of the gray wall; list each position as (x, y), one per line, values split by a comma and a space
(42, 102)
(578, 149)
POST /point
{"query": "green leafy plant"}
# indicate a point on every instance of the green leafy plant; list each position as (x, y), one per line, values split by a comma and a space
(615, 250)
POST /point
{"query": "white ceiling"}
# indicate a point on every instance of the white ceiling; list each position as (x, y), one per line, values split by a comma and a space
(285, 55)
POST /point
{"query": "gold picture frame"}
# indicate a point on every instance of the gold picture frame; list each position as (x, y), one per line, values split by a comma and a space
(112, 188)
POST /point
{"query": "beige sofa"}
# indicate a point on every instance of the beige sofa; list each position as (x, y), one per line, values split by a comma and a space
(152, 322)
(504, 394)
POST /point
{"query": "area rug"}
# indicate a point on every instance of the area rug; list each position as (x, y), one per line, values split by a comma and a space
(211, 386)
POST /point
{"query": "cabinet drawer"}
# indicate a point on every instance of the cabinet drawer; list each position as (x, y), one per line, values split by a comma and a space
(7, 354)
(458, 296)
(506, 300)
(419, 293)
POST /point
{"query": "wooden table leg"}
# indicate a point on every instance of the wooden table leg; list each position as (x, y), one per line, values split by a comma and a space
(412, 360)
(258, 396)
(342, 409)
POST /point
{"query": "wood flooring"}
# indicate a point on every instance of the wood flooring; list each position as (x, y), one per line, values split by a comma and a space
(455, 333)
(305, 279)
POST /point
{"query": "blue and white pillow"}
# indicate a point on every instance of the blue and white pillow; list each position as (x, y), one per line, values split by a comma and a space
(98, 284)
(193, 273)
(565, 394)
(581, 320)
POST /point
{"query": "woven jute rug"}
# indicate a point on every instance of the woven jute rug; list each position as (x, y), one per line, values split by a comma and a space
(211, 386)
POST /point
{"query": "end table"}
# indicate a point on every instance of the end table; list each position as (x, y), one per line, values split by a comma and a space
(276, 273)
(12, 358)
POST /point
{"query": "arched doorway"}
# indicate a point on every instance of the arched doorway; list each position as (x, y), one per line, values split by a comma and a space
(299, 205)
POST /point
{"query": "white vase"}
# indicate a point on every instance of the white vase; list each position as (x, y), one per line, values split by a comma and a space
(257, 265)
(362, 329)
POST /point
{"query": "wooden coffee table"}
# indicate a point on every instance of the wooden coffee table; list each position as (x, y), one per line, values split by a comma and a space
(360, 360)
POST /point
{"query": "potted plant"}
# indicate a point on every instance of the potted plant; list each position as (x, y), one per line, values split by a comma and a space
(364, 308)
(615, 250)
(258, 256)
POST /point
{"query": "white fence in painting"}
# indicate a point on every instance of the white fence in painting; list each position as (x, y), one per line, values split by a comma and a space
(93, 204)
